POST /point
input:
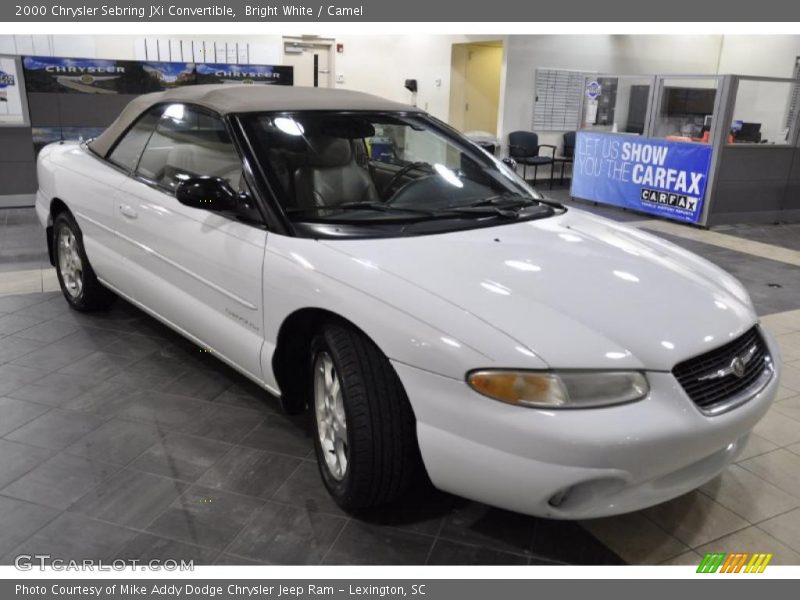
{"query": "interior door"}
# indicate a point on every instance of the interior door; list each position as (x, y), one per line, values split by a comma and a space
(311, 62)
(198, 269)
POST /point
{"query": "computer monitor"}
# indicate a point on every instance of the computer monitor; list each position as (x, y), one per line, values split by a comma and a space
(749, 132)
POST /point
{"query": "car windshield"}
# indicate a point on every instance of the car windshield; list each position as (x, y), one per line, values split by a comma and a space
(385, 171)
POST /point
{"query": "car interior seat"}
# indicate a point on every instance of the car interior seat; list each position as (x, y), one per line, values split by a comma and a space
(331, 175)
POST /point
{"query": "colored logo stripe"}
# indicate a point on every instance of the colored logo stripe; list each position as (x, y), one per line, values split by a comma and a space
(736, 562)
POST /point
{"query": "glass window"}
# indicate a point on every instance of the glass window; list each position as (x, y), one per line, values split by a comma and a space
(762, 112)
(685, 109)
(396, 172)
(128, 150)
(616, 104)
(189, 143)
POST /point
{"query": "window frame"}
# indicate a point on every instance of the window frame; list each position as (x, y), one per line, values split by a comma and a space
(269, 219)
(273, 203)
(136, 174)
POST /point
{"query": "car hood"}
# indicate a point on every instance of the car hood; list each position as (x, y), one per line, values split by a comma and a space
(577, 290)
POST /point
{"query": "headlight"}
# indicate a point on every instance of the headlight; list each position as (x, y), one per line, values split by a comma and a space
(565, 389)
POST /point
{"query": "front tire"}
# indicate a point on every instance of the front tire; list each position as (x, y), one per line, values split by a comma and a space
(76, 277)
(365, 431)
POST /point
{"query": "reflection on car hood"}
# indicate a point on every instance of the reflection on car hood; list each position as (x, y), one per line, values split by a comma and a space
(578, 290)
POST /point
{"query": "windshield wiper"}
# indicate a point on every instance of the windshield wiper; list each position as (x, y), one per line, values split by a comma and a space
(514, 200)
(417, 214)
(370, 205)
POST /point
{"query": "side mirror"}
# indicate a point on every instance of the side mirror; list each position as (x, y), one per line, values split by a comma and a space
(510, 163)
(209, 193)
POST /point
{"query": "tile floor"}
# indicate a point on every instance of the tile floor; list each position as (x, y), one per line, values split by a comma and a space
(120, 439)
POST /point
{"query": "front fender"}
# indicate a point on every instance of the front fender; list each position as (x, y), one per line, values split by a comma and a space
(409, 324)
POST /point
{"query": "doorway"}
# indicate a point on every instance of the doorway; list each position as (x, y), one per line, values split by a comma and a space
(475, 86)
(312, 61)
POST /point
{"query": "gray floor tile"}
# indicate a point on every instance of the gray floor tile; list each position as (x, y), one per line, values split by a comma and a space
(19, 520)
(155, 368)
(53, 356)
(363, 544)
(280, 534)
(568, 542)
(169, 410)
(180, 456)
(779, 467)
(445, 552)
(46, 310)
(129, 498)
(250, 472)
(234, 561)
(98, 364)
(474, 523)
(17, 459)
(201, 385)
(786, 528)
(262, 401)
(748, 495)
(133, 346)
(305, 490)
(10, 304)
(226, 424)
(13, 323)
(76, 537)
(54, 389)
(48, 332)
(205, 517)
(59, 481)
(282, 434)
(104, 399)
(13, 377)
(146, 547)
(17, 413)
(13, 347)
(423, 510)
(56, 429)
(116, 441)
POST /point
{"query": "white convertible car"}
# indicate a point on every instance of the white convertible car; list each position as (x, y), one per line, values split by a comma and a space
(360, 258)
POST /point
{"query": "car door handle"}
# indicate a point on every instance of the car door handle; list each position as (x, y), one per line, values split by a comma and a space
(128, 211)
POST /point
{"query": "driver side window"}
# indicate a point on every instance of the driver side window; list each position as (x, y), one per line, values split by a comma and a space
(188, 142)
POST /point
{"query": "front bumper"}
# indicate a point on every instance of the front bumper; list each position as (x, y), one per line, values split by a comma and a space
(575, 464)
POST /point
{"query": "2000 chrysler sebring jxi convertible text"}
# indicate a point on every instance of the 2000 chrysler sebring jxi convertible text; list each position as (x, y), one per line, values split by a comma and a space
(359, 257)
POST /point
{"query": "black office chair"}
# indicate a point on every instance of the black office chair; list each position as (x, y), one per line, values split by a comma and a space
(567, 154)
(524, 147)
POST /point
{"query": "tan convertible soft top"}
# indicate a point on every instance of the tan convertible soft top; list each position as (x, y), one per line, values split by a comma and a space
(226, 99)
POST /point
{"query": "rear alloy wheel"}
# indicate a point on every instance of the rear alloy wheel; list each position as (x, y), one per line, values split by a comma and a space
(69, 262)
(75, 275)
(365, 440)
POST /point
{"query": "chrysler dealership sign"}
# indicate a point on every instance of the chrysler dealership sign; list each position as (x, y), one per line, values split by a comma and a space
(660, 177)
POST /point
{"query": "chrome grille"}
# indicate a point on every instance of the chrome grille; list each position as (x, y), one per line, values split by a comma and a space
(716, 379)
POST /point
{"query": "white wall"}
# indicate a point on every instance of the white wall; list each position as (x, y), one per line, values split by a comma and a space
(620, 54)
(764, 55)
(381, 64)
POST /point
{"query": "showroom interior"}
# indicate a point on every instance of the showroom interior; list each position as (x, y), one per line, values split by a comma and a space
(121, 439)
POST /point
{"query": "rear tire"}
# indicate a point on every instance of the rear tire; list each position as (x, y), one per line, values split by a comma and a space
(76, 277)
(365, 431)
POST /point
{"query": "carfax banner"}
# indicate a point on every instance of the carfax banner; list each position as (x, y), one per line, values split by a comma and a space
(659, 177)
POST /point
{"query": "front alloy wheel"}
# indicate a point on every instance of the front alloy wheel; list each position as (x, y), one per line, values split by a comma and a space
(331, 419)
(366, 441)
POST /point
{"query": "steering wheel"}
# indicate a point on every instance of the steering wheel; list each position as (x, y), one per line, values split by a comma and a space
(397, 176)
